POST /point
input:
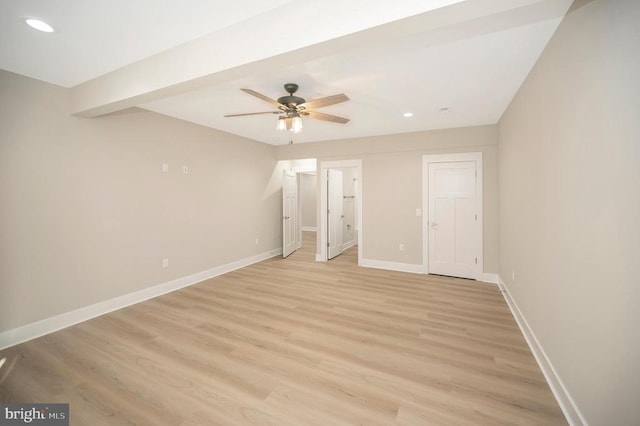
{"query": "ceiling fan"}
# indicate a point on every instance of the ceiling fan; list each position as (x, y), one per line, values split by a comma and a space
(291, 108)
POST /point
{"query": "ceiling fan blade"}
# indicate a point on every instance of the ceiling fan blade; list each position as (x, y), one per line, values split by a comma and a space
(326, 101)
(254, 113)
(326, 117)
(263, 97)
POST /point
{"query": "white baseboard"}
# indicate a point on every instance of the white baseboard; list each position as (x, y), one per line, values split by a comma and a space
(49, 325)
(567, 404)
(309, 228)
(491, 278)
(348, 245)
(392, 266)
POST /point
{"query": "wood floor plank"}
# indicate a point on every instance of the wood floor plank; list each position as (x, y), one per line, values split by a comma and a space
(293, 342)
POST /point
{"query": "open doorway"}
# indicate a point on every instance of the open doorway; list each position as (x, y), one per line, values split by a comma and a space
(298, 208)
(341, 228)
(308, 210)
(308, 201)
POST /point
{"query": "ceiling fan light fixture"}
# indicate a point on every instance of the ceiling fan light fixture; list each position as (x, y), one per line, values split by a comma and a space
(296, 125)
(291, 122)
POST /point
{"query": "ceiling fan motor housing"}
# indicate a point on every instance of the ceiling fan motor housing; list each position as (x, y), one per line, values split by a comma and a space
(291, 88)
(291, 101)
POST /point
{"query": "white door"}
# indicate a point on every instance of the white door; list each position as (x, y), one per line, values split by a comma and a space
(289, 213)
(454, 230)
(335, 213)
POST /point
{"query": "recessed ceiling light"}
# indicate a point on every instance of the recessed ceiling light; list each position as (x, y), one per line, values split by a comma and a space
(408, 114)
(39, 25)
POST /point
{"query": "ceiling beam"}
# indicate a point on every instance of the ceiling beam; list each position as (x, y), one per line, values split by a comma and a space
(299, 32)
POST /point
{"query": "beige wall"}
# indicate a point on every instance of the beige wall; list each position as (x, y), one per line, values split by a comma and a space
(392, 185)
(87, 215)
(308, 197)
(569, 149)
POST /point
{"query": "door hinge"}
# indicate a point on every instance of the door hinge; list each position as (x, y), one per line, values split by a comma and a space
(476, 216)
(328, 244)
(476, 173)
(476, 260)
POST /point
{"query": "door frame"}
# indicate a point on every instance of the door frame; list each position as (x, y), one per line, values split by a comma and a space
(321, 256)
(446, 158)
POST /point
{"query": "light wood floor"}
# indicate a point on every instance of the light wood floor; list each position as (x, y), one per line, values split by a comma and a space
(293, 342)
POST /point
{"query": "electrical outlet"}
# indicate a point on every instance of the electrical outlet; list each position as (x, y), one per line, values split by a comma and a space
(257, 241)
(513, 276)
(418, 212)
(185, 170)
(165, 263)
(165, 167)
(401, 247)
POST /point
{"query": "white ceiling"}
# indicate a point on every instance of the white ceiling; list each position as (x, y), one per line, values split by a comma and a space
(408, 55)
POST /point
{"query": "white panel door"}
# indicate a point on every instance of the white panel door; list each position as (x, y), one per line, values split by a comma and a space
(289, 213)
(335, 213)
(454, 237)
